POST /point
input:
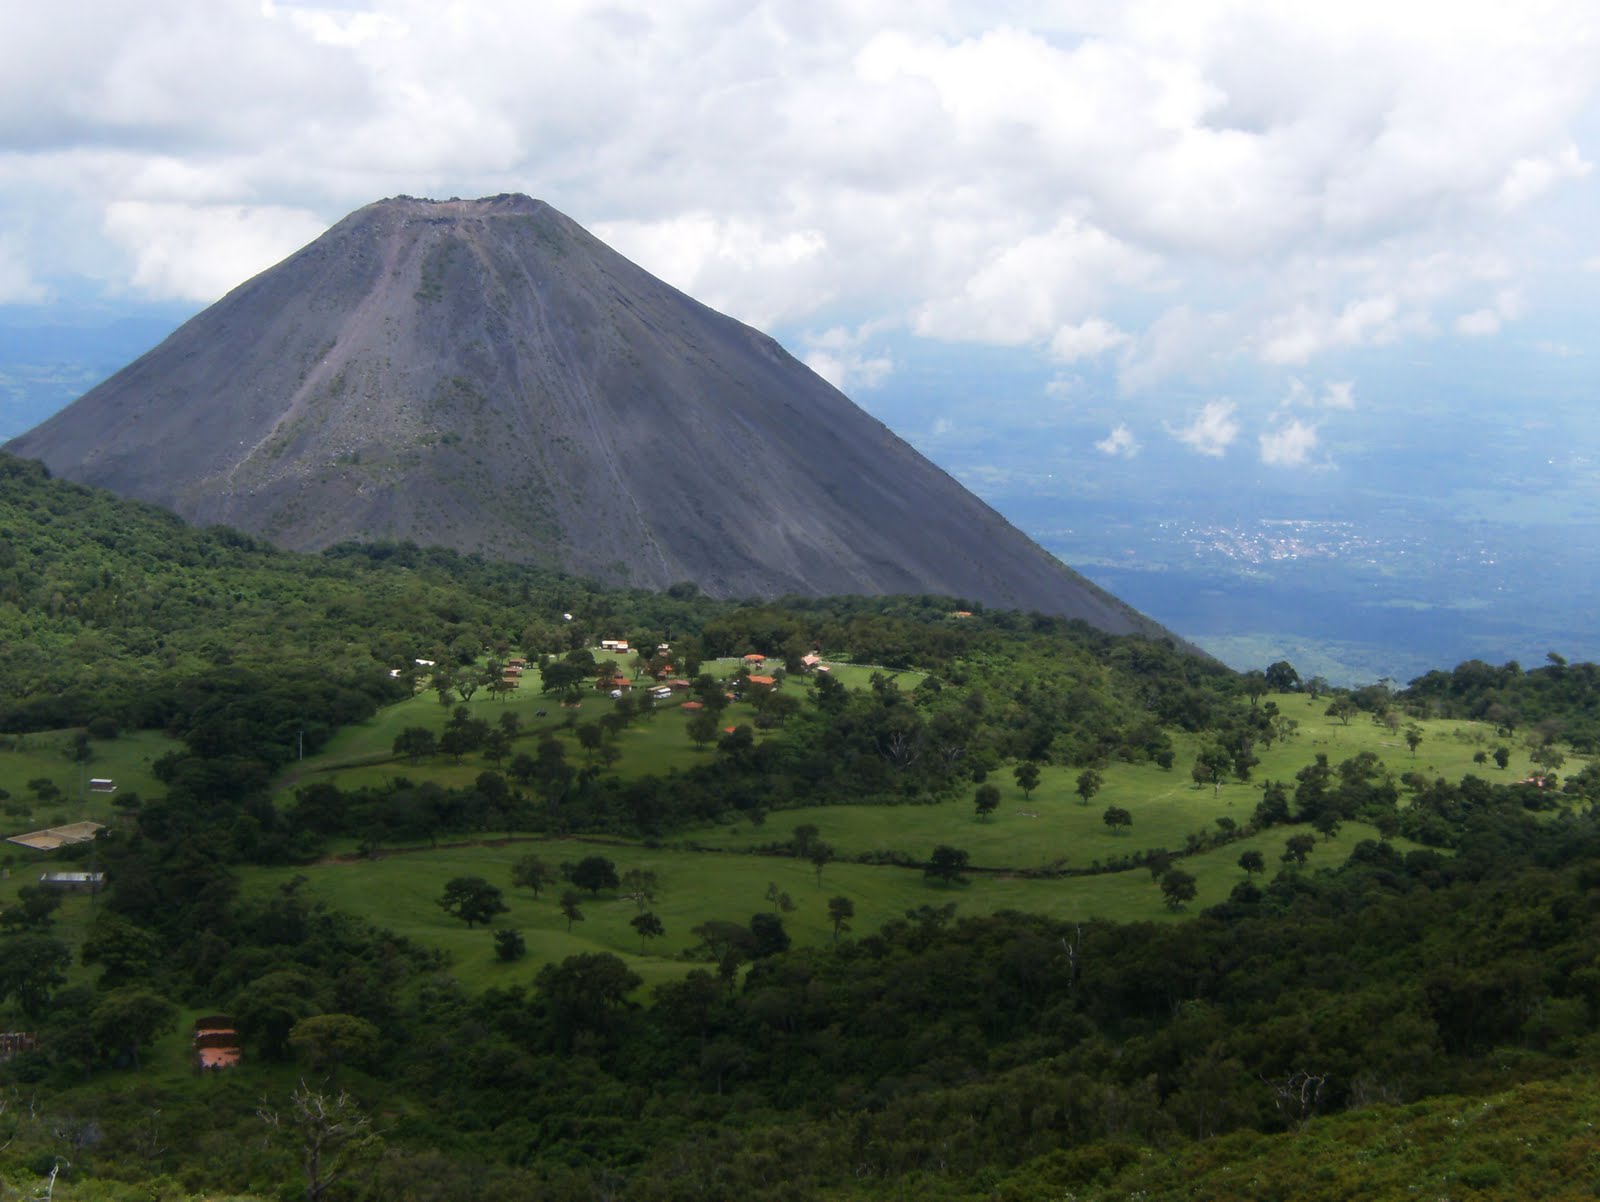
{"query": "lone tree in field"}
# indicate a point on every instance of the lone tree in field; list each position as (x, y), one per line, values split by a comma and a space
(1089, 782)
(1211, 767)
(1177, 887)
(1252, 861)
(947, 864)
(1027, 776)
(472, 899)
(648, 926)
(1413, 739)
(530, 872)
(1255, 684)
(840, 911)
(1282, 678)
(767, 936)
(509, 944)
(595, 873)
(416, 743)
(986, 801)
(569, 908)
(702, 728)
(1297, 848)
(1117, 818)
(821, 856)
(641, 886)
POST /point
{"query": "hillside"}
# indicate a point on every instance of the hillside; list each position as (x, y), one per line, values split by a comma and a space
(999, 906)
(489, 377)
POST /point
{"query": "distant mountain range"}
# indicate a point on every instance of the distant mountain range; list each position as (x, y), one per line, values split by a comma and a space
(487, 375)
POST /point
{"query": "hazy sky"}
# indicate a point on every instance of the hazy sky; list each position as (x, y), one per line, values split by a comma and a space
(1212, 224)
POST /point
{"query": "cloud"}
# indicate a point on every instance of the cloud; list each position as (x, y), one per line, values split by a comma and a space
(1212, 430)
(1480, 323)
(1241, 185)
(849, 371)
(836, 355)
(1120, 443)
(1298, 336)
(1085, 340)
(196, 252)
(1040, 285)
(17, 285)
(1181, 342)
(724, 262)
(1529, 178)
(1336, 394)
(1289, 444)
(1339, 394)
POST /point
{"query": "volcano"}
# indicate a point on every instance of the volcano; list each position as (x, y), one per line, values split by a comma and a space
(487, 375)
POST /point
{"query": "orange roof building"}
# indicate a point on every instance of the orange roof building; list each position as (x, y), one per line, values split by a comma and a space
(216, 1043)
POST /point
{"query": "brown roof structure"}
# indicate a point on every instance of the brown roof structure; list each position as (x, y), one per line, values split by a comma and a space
(58, 836)
(216, 1043)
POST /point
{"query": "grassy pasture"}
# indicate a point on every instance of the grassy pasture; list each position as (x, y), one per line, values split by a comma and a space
(1022, 834)
(1166, 805)
(1446, 750)
(400, 892)
(126, 759)
(711, 873)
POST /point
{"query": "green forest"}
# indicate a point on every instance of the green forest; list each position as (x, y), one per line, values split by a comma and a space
(849, 898)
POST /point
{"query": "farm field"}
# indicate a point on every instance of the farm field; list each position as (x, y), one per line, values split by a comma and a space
(127, 759)
(400, 891)
(1447, 746)
(714, 872)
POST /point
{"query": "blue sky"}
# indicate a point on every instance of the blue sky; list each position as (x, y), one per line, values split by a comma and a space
(1250, 241)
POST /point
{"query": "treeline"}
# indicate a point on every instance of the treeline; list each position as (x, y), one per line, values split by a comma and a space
(1558, 700)
(1033, 698)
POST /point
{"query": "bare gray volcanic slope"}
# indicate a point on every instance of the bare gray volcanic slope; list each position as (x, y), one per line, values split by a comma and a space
(489, 376)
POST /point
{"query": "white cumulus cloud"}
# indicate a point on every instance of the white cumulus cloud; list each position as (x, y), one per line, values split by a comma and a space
(1339, 394)
(198, 252)
(1289, 444)
(849, 371)
(1120, 443)
(1211, 431)
(1085, 340)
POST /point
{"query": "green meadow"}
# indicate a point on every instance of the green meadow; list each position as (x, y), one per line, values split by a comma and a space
(725, 871)
(400, 891)
(127, 760)
(1038, 853)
